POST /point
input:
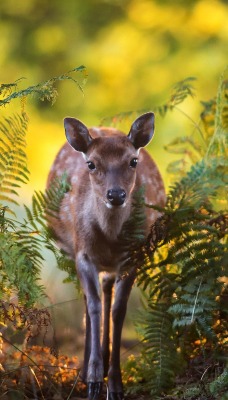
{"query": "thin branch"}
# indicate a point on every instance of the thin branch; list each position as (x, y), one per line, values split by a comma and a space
(75, 383)
(196, 298)
(37, 381)
(196, 125)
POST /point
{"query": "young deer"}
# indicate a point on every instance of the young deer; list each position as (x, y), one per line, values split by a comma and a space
(103, 179)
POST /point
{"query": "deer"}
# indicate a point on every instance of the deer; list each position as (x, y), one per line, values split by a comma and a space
(104, 167)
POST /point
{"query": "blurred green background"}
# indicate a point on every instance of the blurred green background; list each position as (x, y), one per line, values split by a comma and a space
(134, 51)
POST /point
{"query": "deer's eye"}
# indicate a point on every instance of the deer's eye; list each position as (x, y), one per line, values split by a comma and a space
(91, 165)
(133, 162)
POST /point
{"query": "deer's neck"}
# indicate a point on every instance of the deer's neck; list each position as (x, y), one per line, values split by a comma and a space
(111, 220)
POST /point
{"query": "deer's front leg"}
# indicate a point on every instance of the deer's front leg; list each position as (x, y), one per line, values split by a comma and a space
(88, 276)
(122, 292)
(87, 349)
(107, 285)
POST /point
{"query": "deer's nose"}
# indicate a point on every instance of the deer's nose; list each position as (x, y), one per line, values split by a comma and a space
(116, 196)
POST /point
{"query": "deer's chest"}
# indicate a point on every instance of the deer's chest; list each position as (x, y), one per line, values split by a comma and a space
(106, 253)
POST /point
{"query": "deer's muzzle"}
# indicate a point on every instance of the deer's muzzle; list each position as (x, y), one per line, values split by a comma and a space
(116, 197)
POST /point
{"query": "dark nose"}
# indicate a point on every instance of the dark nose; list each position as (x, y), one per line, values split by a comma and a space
(116, 196)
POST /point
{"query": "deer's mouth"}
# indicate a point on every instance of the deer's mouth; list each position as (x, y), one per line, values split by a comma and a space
(116, 207)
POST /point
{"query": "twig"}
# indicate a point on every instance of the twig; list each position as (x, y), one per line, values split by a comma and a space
(193, 122)
(75, 383)
(37, 381)
(32, 375)
(196, 298)
(205, 372)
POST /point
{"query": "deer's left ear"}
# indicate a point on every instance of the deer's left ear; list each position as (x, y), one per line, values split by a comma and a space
(142, 130)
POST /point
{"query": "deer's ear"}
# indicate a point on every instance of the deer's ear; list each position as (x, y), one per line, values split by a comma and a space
(77, 134)
(142, 130)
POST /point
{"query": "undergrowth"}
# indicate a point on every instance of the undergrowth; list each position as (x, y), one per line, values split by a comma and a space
(184, 322)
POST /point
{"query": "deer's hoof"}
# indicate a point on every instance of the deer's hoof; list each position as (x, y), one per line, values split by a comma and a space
(94, 390)
(116, 396)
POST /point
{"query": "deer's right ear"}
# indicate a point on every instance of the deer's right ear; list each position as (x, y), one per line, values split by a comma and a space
(77, 134)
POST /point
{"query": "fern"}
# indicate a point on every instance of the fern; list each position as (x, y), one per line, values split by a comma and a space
(45, 90)
(180, 91)
(132, 236)
(20, 255)
(182, 263)
(46, 204)
(20, 264)
(22, 243)
(160, 353)
(220, 384)
(185, 264)
(208, 141)
(218, 142)
(7, 88)
(13, 160)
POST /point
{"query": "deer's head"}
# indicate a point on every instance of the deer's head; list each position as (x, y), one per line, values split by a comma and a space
(111, 160)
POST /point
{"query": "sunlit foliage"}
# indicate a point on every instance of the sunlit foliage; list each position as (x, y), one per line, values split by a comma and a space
(22, 242)
(184, 274)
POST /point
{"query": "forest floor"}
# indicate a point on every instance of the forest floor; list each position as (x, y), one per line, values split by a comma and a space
(40, 375)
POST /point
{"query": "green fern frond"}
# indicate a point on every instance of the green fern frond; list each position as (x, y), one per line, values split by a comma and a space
(159, 354)
(185, 145)
(21, 244)
(180, 91)
(132, 235)
(20, 265)
(13, 160)
(46, 204)
(208, 116)
(54, 195)
(7, 88)
(220, 384)
(222, 103)
(218, 142)
(209, 140)
(185, 265)
(45, 90)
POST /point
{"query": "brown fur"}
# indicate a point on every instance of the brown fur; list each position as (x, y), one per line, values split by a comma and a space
(78, 225)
